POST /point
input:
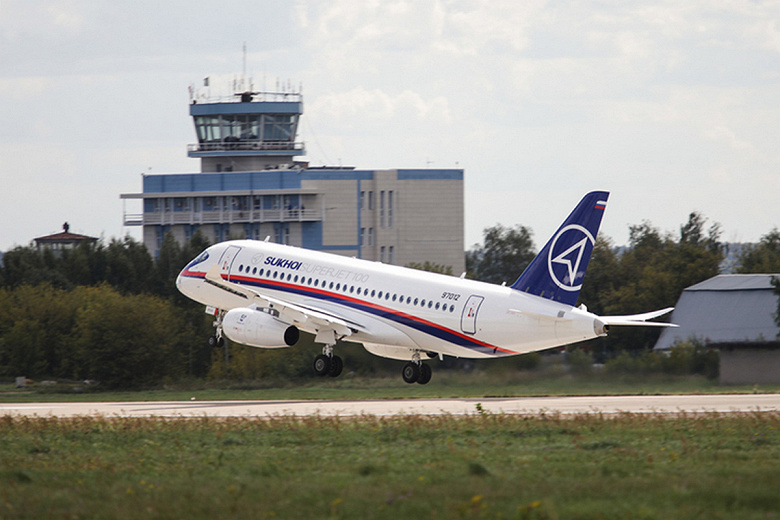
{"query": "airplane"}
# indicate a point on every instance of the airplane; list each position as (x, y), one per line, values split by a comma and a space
(264, 294)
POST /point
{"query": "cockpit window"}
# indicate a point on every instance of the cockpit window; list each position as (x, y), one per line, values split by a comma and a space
(202, 258)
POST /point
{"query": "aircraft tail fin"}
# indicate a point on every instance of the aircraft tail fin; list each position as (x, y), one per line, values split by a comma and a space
(557, 271)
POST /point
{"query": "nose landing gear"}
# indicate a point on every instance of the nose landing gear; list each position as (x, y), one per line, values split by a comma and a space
(217, 339)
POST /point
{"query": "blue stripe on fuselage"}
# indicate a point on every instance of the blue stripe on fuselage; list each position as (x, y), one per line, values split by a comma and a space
(398, 317)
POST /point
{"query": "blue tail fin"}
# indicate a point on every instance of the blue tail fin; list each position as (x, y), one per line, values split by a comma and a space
(557, 271)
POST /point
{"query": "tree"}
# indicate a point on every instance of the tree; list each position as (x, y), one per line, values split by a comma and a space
(503, 257)
(128, 341)
(651, 273)
(763, 257)
(431, 267)
(128, 265)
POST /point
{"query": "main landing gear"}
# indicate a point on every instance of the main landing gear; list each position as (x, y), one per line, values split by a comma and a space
(328, 364)
(415, 371)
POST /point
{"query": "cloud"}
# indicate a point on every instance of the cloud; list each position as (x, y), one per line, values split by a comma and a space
(375, 106)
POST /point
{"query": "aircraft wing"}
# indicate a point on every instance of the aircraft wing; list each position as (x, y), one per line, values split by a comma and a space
(639, 319)
(311, 320)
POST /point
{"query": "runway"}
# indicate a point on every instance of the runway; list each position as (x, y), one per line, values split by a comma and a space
(729, 403)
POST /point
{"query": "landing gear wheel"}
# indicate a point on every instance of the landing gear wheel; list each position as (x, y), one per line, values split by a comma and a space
(321, 365)
(216, 342)
(425, 374)
(336, 366)
(411, 372)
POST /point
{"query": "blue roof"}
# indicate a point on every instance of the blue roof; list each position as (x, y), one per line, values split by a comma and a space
(272, 179)
(730, 308)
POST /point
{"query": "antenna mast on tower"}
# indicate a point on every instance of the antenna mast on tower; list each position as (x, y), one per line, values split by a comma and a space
(244, 73)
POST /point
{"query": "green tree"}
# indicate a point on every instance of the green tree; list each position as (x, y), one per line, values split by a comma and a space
(651, 273)
(431, 267)
(505, 254)
(763, 257)
(128, 265)
(128, 341)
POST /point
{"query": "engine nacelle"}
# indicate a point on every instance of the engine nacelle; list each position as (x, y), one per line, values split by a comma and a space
(258, 329)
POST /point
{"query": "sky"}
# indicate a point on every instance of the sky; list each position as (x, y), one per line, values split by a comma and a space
(671, 106)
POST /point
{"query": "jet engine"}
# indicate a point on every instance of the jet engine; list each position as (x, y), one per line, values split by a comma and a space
(258, 329)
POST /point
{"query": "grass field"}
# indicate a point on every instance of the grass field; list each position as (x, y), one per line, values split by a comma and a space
(447, 384)
(481, 466)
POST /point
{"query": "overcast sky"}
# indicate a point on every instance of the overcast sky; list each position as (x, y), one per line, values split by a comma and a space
(671, 106)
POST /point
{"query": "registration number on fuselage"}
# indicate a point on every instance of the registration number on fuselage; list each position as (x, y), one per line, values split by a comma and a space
(450, 296)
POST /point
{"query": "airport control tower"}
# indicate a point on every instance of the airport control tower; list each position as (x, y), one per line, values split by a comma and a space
(246, 131)
(250, 185)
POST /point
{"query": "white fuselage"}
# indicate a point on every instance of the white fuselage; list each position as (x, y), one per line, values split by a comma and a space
(394, 309)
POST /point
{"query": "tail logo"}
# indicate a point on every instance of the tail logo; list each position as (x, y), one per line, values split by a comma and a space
(563, 261)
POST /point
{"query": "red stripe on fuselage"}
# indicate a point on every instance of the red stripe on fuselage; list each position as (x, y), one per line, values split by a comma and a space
(357, 301)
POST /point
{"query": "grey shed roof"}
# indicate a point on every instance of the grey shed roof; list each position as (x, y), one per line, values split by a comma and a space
(725, 308)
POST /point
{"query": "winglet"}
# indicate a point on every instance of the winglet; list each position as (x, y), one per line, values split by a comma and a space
(558, 270)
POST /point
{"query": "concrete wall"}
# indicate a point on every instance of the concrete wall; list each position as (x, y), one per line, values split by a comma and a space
(749, 366)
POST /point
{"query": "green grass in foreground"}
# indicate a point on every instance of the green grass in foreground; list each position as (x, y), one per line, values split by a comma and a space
(445, 384)
(481, 466)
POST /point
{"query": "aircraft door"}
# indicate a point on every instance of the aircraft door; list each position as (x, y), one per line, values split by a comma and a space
(226, 262)
(468, 320)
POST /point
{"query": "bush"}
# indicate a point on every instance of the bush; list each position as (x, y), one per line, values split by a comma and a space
(687, 357)
(579, 361)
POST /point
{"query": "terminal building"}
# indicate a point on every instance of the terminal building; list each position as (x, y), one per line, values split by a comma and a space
(251, 186)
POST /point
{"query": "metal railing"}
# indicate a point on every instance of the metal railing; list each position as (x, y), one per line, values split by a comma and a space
(232, 216)
(253, 145)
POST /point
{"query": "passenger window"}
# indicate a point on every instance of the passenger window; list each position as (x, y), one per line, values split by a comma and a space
(296, 279)
(262, 271)
(430, 304)
(452, 308)
(240, 268)
(394, 297)
(373, 292)
(416, 300)
(437, 306)
(408, 300)
(380, 295)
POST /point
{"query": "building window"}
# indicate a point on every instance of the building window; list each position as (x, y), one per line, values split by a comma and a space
(382, 208)
(390, 208)
(371, 201)
(363, 237)
(283, 234)
(210, 204)
(390, 254)
(370, 236)
(382, 254)
(362, 200)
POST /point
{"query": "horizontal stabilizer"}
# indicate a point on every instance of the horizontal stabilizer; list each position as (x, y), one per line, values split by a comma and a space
(639, 320)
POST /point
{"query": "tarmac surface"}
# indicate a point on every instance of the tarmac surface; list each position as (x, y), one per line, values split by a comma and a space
(728, 403)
